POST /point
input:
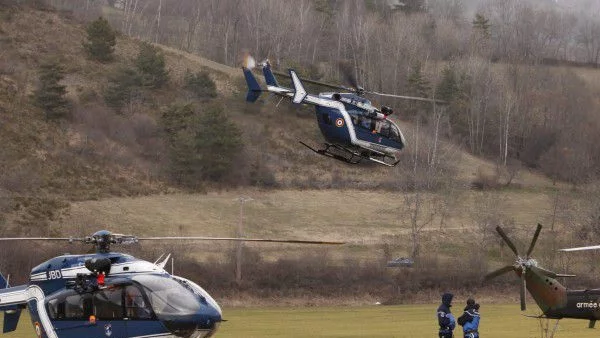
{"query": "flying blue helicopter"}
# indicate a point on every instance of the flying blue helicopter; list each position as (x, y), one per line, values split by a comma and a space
(110, 294)
(353, 128)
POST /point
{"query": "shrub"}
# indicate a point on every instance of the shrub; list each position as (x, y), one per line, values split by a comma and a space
(151, 65)
(200, 84)
(101, 40)
(50, 94)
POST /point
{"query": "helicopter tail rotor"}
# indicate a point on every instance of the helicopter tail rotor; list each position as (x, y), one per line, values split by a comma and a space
(248, 62)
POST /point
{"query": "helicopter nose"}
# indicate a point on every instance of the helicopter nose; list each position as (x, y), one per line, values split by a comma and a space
(203, 324)
(209, 319)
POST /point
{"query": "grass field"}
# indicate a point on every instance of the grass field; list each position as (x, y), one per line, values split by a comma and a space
(407, 321)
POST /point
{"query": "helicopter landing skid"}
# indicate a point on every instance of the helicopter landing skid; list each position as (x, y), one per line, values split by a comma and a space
(352, 157)
(348, 156)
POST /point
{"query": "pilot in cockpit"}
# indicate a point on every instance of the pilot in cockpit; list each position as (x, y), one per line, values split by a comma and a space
(135, 304)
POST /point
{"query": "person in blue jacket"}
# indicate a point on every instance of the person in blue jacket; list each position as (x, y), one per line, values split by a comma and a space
(445, 318)
(471, 327)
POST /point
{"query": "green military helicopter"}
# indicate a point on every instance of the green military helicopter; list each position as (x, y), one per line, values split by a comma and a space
(554, 299)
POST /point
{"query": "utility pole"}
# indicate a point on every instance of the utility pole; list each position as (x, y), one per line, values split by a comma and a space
(238, 261)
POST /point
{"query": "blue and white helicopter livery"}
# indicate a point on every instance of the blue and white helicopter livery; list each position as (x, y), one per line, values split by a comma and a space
(110, 294)
(354, 129)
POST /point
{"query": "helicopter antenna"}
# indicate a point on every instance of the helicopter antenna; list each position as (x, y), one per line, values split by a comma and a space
(158, 259)
(164, 262)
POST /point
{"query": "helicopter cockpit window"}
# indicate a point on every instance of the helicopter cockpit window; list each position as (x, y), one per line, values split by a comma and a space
(395, 133)
(167, 296)
(112, 303)
(135, 304)
(388, 129)
(108, 303)
(364, 122)
(70, 305)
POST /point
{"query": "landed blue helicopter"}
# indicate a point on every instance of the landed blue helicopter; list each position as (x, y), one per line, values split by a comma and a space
(110, 294)
(354, 129)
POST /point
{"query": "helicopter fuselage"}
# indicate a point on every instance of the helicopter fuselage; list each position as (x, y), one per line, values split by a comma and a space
(354, 128)
(347, 119)
(354, 123)
(135, 299)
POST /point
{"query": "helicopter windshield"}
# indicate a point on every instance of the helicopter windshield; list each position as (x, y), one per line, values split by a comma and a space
(389, 130)
(167, 296)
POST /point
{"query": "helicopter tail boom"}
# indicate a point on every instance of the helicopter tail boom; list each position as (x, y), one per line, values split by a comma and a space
(254, 89)
(11, 305)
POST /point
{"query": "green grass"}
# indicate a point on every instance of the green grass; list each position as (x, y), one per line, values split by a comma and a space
(498, 321)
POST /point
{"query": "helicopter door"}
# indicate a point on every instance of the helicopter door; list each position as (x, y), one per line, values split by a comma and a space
(139, 317)
(108, 309)
(97, 314)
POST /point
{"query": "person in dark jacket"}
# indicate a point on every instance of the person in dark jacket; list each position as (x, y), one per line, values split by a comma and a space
(445, 318)
(471, 327)
(467, 314)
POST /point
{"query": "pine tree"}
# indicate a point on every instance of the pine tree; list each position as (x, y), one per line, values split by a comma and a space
(218, 142)
(202, 146)
(50, 94)
(417, 83)
(177, 121)
(101, 40)
(481, 24)
(447, 89)
(151, 65)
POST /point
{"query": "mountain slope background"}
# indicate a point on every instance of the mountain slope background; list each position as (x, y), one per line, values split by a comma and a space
(104, 167)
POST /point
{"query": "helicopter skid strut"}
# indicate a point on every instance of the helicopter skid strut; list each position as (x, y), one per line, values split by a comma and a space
(352, 157)
(348, 156)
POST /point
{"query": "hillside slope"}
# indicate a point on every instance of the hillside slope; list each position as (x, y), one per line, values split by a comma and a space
(101, 153)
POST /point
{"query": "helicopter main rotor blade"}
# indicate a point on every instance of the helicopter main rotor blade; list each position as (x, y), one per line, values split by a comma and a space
(235, 239)
(507, 240)
(498, 272)
(535, 237)
(581, 248)
(415, 98)
(325, 84)
(523, 286)
(69, 239)
(329, 85)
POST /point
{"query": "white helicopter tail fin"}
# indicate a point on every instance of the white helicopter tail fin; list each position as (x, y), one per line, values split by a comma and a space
(300, 93)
